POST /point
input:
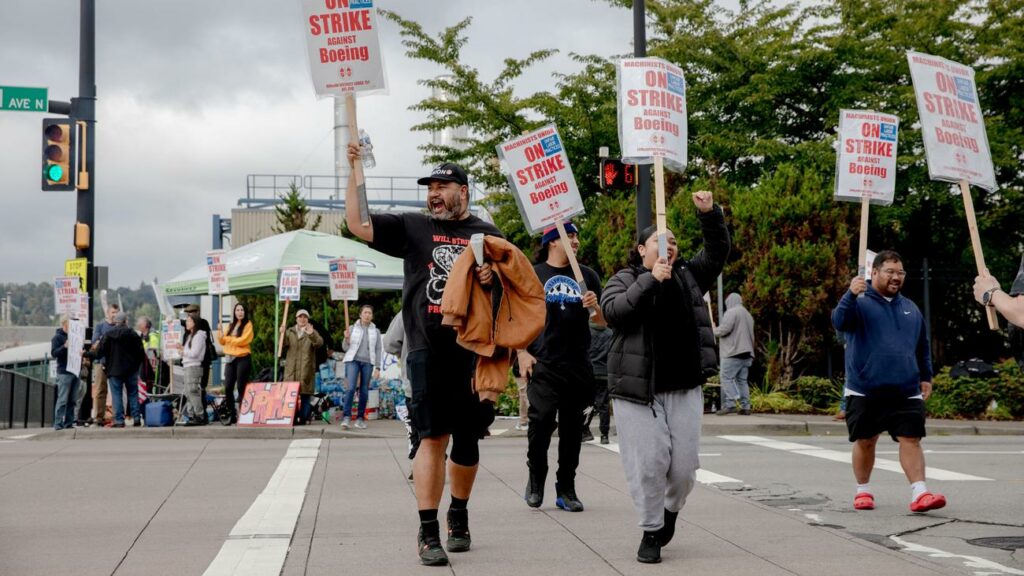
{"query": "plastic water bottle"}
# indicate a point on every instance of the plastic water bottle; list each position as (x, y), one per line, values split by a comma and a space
(366, 149)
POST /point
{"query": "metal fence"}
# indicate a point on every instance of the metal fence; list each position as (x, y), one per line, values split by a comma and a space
(25, 401)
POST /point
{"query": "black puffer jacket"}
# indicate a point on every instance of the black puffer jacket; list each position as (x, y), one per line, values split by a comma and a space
(629, 298)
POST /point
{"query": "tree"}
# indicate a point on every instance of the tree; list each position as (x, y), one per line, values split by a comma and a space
(293, 214)
(765, 84)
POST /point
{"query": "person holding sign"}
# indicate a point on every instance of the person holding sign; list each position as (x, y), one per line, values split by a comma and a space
(888, 377)
(364, 350)
(662, 352)
(300, 343)
(67, 382)
(444, 404)
(557, 365)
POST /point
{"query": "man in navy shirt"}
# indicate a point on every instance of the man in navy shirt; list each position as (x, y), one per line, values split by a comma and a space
(888, 377)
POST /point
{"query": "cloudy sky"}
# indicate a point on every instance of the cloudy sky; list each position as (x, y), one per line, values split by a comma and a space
(194, 95)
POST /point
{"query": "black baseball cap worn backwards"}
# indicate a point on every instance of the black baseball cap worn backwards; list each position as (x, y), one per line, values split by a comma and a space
(447, 172)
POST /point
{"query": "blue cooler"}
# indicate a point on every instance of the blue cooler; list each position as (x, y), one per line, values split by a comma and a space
(159, 413)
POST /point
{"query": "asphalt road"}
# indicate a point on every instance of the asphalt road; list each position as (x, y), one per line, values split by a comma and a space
(766, 505)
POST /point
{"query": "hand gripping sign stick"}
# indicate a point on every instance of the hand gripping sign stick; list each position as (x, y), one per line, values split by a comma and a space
(572, 261)
(979, 257)
(357, 169)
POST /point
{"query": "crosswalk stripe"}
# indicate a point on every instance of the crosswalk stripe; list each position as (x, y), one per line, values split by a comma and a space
(258, 544)
(846, 457)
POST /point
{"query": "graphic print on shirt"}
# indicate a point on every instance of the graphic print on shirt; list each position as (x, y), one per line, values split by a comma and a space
(444, 257)
(561, 289)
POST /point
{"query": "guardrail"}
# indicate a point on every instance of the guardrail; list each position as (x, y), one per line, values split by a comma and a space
(25, 401)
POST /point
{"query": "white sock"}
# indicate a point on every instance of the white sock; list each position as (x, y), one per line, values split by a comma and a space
(917, 488)
(862, 488)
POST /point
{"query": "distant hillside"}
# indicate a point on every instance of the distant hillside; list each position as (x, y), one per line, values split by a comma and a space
(32, 304)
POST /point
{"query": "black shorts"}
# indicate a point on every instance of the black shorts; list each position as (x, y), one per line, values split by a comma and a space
(443, 400)
(867, 417)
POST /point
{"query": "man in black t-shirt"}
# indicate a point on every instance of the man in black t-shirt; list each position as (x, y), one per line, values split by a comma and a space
(557, 365)
(440, 371)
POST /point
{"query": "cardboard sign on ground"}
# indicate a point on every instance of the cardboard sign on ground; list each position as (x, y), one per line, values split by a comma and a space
(269, 404)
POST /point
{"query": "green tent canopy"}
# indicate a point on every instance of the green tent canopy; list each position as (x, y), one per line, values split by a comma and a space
(255, 267)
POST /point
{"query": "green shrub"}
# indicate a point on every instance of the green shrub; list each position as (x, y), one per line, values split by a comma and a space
(819, 392)
(508, 401)
(778, 402)
(971, 397)
(1009, 392)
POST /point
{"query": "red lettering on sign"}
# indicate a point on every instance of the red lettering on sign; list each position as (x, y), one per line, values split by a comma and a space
(533, 152)
(541, 169)
(946, 106)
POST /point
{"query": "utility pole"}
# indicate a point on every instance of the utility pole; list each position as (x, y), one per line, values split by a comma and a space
(83, 109)
(644, 217)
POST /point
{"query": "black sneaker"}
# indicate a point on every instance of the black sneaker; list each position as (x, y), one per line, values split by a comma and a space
(669, 529)
(604, 438)
(136, 423)
(725, 411)
(588, 436)
(567, 500)
(745, 412)
(650, 549)
(458, 531)
(534, 495)
(430, 551)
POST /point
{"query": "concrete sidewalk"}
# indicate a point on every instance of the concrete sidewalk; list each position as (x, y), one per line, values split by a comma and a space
(755, 424)
(359, 516)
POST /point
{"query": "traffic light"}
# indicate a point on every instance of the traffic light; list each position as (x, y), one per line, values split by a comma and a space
(58, 154)
(617, 176)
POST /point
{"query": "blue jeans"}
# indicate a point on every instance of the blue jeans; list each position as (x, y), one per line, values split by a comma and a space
(64, 413)
(357, 374)
(116, 384)
(735, 389)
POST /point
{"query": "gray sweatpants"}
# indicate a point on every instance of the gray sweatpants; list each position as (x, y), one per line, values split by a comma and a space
(194, 391)
(659, 451)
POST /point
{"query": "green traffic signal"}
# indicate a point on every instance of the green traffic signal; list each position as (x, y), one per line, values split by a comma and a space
(54, 172)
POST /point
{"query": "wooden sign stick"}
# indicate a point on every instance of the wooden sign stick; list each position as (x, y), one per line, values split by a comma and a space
(659, 206)
(862, 246)
(357, 170)
(346, 314)
(284, 323)
(572, 260)
(979, 257)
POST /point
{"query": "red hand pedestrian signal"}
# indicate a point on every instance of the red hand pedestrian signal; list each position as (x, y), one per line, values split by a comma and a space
(615, 175)
(610, 172)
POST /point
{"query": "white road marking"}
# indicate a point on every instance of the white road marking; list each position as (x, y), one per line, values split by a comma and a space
(22, 437)
(703, 476)
(6, 441)
(845, 457)
(961, 452)
(814, 518)
(258, 544)
(499, 432)
(969, 561)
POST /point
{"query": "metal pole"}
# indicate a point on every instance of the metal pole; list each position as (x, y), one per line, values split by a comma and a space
(83, 108)
(277, 329)
(927, 298)
(644, 217)
(721, 302)
(215, 300)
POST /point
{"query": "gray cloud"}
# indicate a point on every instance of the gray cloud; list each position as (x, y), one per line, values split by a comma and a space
(194, 95)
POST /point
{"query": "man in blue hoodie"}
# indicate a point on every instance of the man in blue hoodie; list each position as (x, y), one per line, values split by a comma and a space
(888, 377)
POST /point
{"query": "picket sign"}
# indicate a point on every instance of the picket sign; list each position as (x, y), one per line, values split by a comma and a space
(544, 187)
(955, 141)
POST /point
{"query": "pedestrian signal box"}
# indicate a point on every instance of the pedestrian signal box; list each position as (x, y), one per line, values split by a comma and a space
(58, 154)
(615, 175)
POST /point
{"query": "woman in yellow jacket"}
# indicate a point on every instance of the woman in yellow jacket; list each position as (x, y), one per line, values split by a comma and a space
(237, 358)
